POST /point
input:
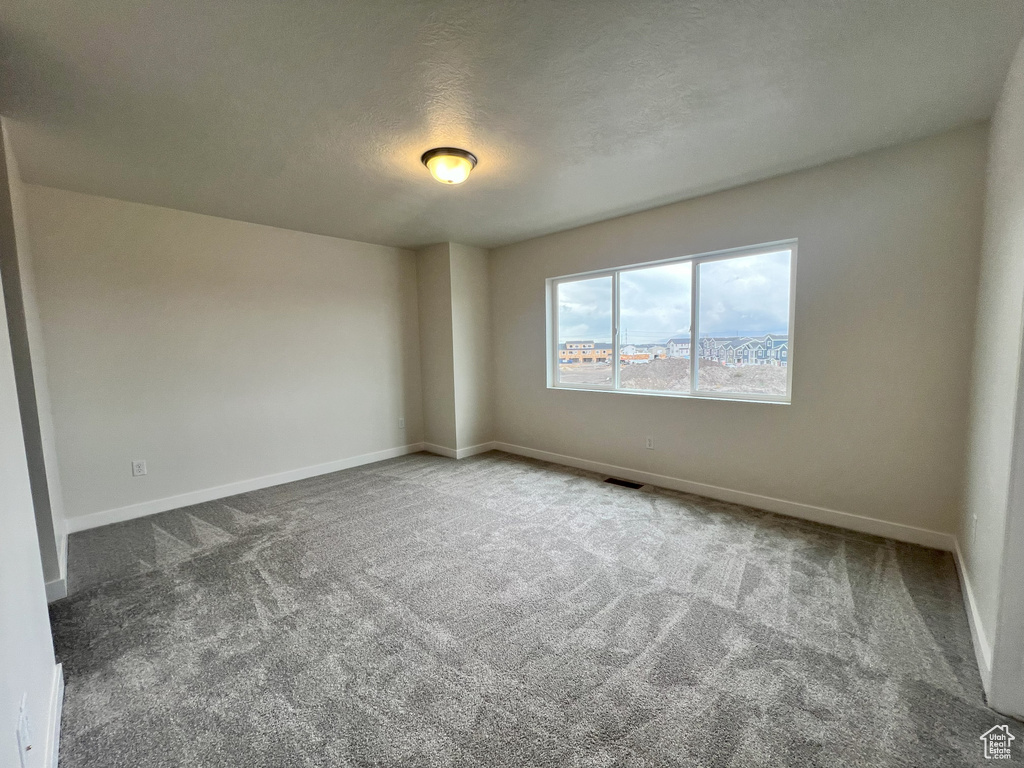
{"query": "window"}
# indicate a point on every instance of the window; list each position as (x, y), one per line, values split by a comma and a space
(585, 310)
(733, 309)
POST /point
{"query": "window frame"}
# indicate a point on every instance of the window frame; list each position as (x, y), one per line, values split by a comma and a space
(551, 293)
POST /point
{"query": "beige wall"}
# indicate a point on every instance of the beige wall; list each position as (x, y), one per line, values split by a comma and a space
(217, 351)
(26, 649)
(437, 357)
(471, 333)
(455, 350)
(886, 280)
(997, 355)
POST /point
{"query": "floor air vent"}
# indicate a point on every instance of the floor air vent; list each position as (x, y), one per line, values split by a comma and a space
(624, 483)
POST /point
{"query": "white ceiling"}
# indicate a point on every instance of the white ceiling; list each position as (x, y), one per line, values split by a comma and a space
(312, 114)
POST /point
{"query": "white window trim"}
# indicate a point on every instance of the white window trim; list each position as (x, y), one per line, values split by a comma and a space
(551, 287)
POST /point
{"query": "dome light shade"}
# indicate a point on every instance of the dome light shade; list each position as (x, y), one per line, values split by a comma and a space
(448, 164)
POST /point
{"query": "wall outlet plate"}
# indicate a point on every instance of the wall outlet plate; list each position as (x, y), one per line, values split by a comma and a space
(650, 443)
(138, 468)
(401, 423)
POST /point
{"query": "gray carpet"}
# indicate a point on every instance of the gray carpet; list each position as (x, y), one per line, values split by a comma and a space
(498, 611)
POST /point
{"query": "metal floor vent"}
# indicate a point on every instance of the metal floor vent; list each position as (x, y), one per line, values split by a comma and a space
(624, 483)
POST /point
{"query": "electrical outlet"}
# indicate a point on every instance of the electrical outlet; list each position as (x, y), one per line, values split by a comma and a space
(650, 443)
(974, 527)
(138, 468)
(24, 734)
(401, 423)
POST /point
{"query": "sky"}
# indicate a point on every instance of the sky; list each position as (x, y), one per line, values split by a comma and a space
(745, 296)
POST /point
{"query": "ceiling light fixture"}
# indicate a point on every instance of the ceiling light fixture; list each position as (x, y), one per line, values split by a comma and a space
(448, 164)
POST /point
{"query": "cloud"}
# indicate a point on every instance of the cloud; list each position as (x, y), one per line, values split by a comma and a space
(655, 303)
(745, 296)
(748, 295)
(585, 310)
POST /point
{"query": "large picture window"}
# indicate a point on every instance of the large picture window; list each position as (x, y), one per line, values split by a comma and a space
(713, 325)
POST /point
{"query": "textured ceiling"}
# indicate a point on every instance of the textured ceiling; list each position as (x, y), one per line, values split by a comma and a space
(313, 115)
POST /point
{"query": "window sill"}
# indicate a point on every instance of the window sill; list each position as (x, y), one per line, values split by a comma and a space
(720, 396)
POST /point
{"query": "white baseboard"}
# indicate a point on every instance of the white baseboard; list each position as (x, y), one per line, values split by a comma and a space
(132, 511)
(461, 453)
(58, 588)
(982, 647)
(848, 520)
(441, 450)
(473, 450)
(63, 555)
(56, 707)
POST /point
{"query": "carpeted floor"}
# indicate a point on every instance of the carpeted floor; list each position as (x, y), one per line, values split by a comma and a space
(498, 611)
